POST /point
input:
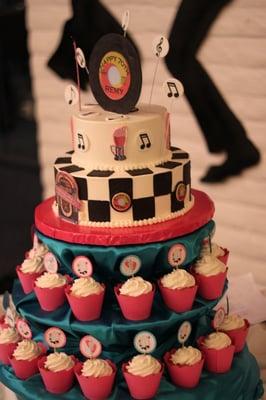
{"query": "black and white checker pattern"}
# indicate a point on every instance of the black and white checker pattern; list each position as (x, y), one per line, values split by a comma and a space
(151, 190)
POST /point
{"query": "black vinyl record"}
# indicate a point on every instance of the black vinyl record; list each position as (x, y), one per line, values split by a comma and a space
(115, 73)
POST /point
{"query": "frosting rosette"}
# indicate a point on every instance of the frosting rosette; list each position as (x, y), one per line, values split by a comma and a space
(186, 356)
(232, 321)
(215, 250)
(96, 368)
(56, 362)
(209, 266)
(143, 365)
(135, 286)
(27, 350)
(217, 341)
(178, 279)
(83, 287)
(49, 280)
(32, 265)
(40, 250)
(9, 335)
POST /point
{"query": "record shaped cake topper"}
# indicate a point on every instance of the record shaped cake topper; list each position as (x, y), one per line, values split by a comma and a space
(115, 73)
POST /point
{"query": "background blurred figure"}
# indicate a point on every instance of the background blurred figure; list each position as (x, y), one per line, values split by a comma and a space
(222, 130)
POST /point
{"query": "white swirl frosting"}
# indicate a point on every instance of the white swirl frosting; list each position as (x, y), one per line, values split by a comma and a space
(49, 280)
(9, 335)
(214, 250)
(135, 287)
(178, 279)
(209, 266)
(39, 251)
(32, 265)
(56, 362)
(143, 365)
(217, 341)
(83, 287)
(186, 356)
(96, 368)
(232, 321)
(27, 350)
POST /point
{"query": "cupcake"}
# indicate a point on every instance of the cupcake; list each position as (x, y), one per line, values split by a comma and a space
(24, 359)
(215, 250)
(210, 274)
(184, 366)
(85, 297)
(50, 290)
(9, 338)
(178, 290)
(39, 251)
(29, 271)
(57, 372)
(96, 378)
(218, 351)
(237, 329)
(135, 298)
(143, 375)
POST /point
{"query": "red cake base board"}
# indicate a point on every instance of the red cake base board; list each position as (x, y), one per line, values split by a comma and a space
(50, 225)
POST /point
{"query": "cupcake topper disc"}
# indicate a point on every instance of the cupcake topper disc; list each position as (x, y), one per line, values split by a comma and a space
(177, 255)
(82, 266)
(160, 46)
(55, 337)
(23, 328)
(11, 317)
(50, 263)
(218, 318)
(145, 342)
(130, 265)
(90, 347)
(173, 88)
(71, 95)
(184, 332)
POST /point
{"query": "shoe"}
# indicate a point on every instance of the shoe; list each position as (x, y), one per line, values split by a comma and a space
(233, 166)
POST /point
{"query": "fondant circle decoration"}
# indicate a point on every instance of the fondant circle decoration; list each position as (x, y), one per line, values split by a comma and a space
(145, 342)
(82, 266)
(90, 347)
(180, 191)
(115, 73)
(55, 337)
(121, 202)
(23, 329)
(130, 265)
(184, 332)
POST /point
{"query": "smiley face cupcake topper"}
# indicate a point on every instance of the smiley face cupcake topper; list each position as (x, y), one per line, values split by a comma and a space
(82, 266)
(184, 332)
(145, 342)
(177, 255)
(55, 338)
(23, 328)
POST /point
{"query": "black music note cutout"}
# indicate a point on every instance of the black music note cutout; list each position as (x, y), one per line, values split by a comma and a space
(172, 88)
(145, 141)
(81, 144)
(159, 47)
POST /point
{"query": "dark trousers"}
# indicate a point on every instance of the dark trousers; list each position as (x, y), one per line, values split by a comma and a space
(221, 129)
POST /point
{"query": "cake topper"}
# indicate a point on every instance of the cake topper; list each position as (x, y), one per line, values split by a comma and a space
(184, 332)
(71, 95)
(55, 337)
(130, 265)
(160, 47)
(115, 73)
(177, 255)
(50, 263)
(82, 266)
(90, 347)
(173, 88)
(23, 328)
(145, 342)
(77, 74)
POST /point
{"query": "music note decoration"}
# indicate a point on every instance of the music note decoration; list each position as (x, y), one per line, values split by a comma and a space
(173, 88)
(145, 142)
(160, 46)
(82, 142)
(71, 95)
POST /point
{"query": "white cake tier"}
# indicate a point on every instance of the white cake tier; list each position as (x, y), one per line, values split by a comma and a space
(106, 141)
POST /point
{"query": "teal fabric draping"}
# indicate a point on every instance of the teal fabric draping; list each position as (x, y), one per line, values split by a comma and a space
(240, 383)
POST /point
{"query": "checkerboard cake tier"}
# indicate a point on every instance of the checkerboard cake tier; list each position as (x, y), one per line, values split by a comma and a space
(123, 198)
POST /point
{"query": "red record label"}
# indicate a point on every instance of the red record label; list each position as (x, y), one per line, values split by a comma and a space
(55, 337)
(23, 329)
(82, 266)
(121, 202)
(90, 347)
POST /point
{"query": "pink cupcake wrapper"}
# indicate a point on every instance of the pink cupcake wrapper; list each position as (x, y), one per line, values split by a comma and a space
(210, 287)
(217, 361)
(56, 382)
(6, 351)
(225, 257)
(95, 388)
(135, 308)
(51, 298)
(178, 300)
(24, 369)
(27, 280)
(86, 308)
(238, 336)
(186, 376)
(142, 387)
